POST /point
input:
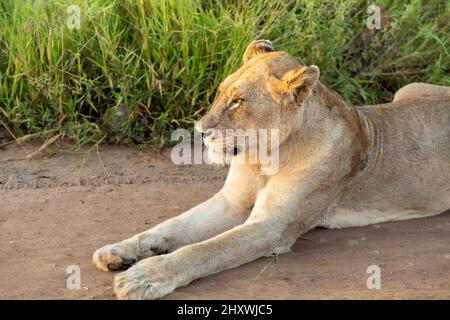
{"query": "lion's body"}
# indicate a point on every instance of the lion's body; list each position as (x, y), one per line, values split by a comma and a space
(407, 174)
(338, 166)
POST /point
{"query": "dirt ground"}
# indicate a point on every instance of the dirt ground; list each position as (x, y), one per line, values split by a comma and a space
(55, 211)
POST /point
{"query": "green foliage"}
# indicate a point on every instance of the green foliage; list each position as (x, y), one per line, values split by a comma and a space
(135, 70)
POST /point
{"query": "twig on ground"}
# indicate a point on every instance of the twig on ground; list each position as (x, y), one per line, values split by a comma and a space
(101, 161)
(85, 156)
(12, 135)
(39, 150)
(25, 138)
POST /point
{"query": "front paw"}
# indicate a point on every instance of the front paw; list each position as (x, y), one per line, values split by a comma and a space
(149, 279)
(114, 257)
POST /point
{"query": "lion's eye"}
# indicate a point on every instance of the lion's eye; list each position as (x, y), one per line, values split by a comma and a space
(233, 104)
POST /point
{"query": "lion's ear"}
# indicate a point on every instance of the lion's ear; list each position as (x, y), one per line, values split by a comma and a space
(257, 47)
(301, 81)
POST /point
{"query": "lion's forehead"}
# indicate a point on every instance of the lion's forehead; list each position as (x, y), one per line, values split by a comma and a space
(258, 70)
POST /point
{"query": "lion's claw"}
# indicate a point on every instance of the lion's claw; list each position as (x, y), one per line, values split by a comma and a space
(114, 257)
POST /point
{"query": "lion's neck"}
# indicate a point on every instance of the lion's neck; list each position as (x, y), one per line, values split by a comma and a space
(327, 97)
(323, 108)
(325, 122)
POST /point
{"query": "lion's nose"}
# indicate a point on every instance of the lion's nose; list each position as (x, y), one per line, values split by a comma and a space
(199, 126)
(204, 132)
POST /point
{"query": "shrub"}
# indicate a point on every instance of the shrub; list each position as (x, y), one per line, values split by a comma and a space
(135, 70)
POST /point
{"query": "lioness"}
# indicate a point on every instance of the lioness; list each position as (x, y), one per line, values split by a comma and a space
(339, 166)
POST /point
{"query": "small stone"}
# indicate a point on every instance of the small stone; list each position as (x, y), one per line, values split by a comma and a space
(12, 182)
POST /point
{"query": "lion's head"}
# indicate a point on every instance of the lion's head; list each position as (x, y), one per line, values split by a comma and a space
(264, 93)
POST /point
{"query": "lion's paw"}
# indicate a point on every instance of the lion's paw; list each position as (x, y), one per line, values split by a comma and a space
(114, 257)
(146, 280)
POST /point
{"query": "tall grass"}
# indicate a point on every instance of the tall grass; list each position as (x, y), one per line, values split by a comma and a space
(137, 69)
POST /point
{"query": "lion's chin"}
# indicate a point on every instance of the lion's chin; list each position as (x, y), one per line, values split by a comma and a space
(215, 157)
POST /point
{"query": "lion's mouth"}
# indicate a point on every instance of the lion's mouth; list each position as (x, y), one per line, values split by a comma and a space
(226, 148)
(221, 152)
(234, 150)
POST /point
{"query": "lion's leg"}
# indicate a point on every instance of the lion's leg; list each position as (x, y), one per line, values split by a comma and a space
(418, 90)
(157, 276)
(273, 226)
(199, 223)
(347, 218)
(227, 209)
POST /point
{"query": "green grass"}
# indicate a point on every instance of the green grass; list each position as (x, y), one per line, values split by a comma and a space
(136, 70)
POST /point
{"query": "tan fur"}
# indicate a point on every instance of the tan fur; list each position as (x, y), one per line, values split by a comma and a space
(422, 90)
(339, 167)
